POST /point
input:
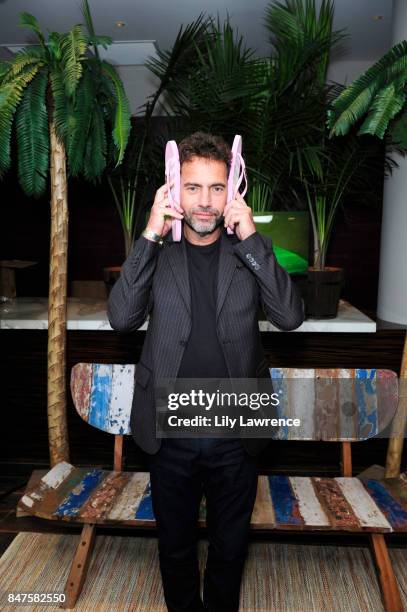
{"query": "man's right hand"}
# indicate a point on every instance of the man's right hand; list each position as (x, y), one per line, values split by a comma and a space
(159, 210)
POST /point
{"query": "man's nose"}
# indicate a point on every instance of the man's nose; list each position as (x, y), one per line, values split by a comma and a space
(205, 199)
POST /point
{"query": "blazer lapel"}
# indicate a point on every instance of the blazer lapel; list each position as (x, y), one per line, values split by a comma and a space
(177, 256)
(227, 265)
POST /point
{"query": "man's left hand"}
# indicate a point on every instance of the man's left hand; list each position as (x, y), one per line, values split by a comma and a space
(239, 217)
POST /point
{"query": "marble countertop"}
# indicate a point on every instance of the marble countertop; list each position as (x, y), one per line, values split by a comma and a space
(90, 314)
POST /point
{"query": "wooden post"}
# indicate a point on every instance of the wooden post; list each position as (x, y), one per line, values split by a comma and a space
(395, 447)
(346, 463)
(118, 453)
(80, 565)
(388, 583)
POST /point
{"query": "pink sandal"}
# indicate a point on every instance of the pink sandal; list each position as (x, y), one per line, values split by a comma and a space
(237, 172)
(173, 174)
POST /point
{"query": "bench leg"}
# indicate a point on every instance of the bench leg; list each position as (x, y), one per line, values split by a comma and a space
(79, 567)
(388, 583)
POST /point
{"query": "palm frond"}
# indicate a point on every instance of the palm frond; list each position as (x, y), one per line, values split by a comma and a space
(356, 99)
(60, 104)
(175, 65)
(122, 124)
(92, 38)
(387, 103)
(398, 130)
(10, 97)
(96, 147)
(29, 21)
(79, 119)
(32, 137)
(24, 59)
(74, 47)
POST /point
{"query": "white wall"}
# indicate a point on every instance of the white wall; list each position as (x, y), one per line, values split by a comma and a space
(346, 71)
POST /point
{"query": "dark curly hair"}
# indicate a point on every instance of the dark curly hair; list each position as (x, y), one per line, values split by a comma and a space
(201, 144)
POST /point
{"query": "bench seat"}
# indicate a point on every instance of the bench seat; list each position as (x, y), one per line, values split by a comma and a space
(92, 495)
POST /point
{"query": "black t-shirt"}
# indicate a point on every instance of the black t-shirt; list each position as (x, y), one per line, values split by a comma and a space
(203, 355)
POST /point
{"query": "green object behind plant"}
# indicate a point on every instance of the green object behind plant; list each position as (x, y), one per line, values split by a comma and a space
(289, 235)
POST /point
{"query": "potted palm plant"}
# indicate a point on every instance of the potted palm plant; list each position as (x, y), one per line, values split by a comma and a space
(63, 103)
(143, 165)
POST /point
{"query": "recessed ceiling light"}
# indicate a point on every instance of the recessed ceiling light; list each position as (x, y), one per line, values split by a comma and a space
(120, 24)
(378, 17)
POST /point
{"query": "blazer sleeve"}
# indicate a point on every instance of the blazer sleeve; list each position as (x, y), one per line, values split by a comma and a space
(280, 297)
(130, 299)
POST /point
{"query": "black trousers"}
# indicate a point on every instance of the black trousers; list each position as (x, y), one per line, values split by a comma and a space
(181, 471)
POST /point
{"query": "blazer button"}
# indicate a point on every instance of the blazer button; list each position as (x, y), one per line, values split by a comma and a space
(183, 342)
(226, 341)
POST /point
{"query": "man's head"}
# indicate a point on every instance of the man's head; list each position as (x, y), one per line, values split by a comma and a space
(205, 161)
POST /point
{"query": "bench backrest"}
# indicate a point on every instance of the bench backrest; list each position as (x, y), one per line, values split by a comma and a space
(332, 404)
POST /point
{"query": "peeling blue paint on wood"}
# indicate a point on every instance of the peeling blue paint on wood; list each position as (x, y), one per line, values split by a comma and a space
(145, 509)
(78, 496)
(284, 501)
(100, 396)
(395, 514)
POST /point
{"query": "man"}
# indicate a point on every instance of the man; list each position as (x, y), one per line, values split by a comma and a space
(203, 295)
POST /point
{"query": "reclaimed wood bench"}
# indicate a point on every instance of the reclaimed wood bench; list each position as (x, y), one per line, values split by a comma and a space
(361, 409)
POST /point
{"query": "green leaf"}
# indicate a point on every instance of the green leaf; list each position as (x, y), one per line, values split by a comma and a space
(29, 21)
(74, 47)
(122, 124)
(96, 147)
(60, 104)
(81, 111)
(10, 97)
(24, 59)
(398, 130)
(356, 100)
(33, 137)
(385, 106)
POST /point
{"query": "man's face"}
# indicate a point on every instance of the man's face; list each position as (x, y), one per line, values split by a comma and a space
(203, 194)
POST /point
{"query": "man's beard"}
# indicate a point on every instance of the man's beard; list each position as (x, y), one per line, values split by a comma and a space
(203, 228)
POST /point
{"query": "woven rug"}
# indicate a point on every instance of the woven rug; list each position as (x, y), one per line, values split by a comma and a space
(124, 575)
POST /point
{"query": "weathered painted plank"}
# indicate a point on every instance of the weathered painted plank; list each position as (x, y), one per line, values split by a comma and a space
(309, 506)
(126, 504)
(327, 394)
(43, 497)
(103, 497)
(363, 505)
(263, 513)
(280, 387)
(398, 489)
(348, 407)
(145, 510)
(301, 392)
(100, 395)
(57, 474)
(71, 506)
(118, 421)
(335, 505)
(387, 389)
(81, 386)
(285, 503)
(393, 511)
(365, 385)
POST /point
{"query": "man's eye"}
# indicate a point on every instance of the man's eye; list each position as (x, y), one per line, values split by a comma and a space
(218, 189)
(191, 189)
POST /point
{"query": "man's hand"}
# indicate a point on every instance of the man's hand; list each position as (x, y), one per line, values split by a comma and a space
(239, 217)
(160, 209)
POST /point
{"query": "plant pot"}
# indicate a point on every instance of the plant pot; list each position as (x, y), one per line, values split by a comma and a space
(110, 276)
(323, 292)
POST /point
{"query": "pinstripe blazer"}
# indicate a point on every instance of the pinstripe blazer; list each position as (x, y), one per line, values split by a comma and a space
(154, 281)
